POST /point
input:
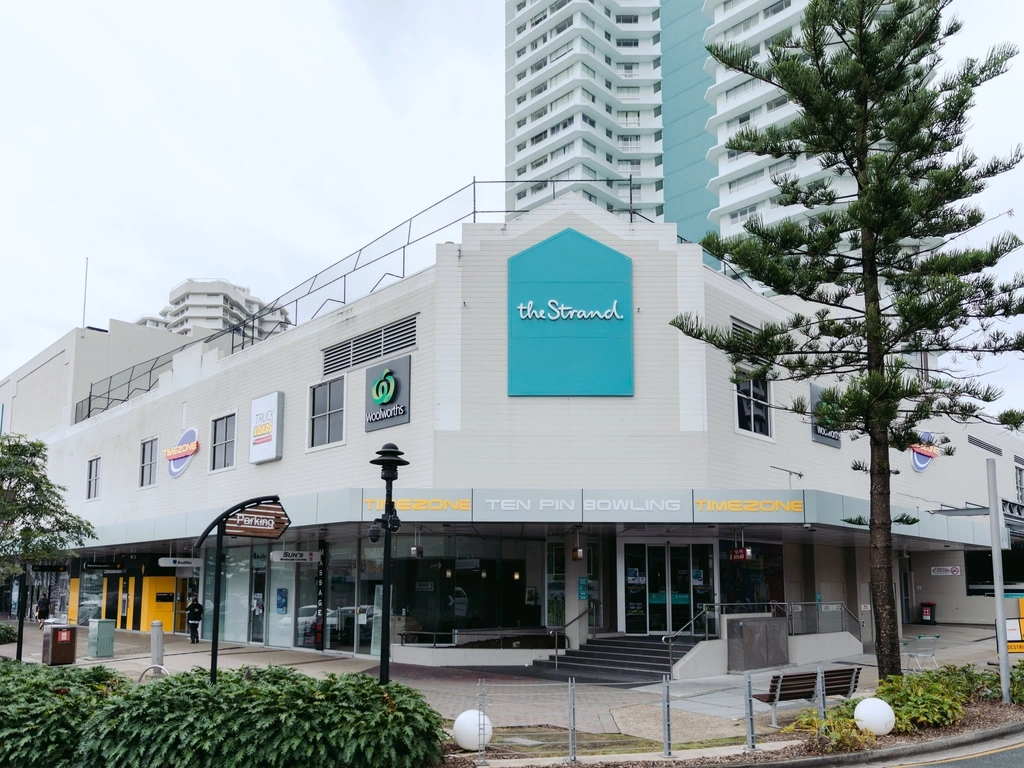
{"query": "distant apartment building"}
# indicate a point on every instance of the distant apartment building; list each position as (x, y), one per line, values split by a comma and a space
(198, 306)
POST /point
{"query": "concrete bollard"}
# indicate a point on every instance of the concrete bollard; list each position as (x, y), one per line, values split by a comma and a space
(156, 647)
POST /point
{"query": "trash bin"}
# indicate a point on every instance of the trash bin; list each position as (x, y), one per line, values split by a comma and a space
(928, 613)
(59, 644)
(101, 638)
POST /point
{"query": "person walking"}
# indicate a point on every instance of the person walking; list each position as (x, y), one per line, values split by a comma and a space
(194, 615)
(42, 610)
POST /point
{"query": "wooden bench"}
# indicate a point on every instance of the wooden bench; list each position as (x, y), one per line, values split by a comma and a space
(794, 686)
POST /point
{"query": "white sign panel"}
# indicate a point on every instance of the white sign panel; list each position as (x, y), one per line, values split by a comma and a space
(179, 562)
(1013, 631)
(265, 428)
(421, 504)
(638, 506)
(526, 506)
(945, 570)
(284, 556)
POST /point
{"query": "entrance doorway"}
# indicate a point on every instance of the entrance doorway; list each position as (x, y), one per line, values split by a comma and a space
(185, 588)
(666, 585)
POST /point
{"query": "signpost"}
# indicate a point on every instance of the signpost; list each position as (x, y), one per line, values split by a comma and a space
(49, 568)
(262, 518)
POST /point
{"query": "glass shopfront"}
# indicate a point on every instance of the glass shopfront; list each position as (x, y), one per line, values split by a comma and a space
(666, 586)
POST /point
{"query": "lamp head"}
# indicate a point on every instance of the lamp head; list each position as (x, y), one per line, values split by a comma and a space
(389, 459)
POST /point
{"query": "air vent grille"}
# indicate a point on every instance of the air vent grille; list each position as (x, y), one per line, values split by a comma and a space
(984, 446)
(370, 346)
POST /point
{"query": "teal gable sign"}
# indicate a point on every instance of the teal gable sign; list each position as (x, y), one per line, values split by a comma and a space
(570, 319)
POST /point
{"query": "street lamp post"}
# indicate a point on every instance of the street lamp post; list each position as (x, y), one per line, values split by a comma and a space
(389, 459)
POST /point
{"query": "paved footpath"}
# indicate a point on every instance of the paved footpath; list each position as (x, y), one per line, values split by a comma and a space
(701, 709)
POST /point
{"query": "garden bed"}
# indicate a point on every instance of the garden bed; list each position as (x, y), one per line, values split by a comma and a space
(954, 701)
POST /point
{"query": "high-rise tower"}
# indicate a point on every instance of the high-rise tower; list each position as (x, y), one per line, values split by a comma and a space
(583, 101)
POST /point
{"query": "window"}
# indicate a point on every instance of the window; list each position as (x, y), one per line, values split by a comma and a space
(752, 407)
(776, 8)
(745, 87)
(741, 215)
(621, 19)
(589, 172)
(736, 154)
(538, 163)
(659, 185)
(521, 146)
(1018, 473)
(539, 65)
(587, 196)
(659, 210)
(539, 137)
(565, 149)
(740, 120)
(590, 72)
(777, 103)
(520, 195)
(560, 28)
(781, 167)
(590, 147)
(748, 23)
(520, 99)
(520, 53)
(538, 90)
(537, 114)
(561, 51)
(147, 464)
(627, 42)
(588, 96)
(92, 484)
(558, 127)
(538, 187)
(520, 123)
(223, 443)
(589, 120)
(327, 413)
(539, 42)
(743, 182)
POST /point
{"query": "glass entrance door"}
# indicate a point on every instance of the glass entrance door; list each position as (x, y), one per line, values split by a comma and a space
(666, 586)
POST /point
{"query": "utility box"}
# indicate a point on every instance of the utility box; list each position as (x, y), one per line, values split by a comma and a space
(928, 613)
(101, 638)
(59, 644)
(757, 642)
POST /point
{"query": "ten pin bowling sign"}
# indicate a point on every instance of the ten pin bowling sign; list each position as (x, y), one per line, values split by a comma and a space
(263, 521)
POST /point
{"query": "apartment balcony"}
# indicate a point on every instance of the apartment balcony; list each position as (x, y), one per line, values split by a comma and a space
(628, 74)
(632, 146)
(629, 122)
(626, 98)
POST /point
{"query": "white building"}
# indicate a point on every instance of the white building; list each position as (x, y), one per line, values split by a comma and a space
(199, 306)
(583, 102)
(546, 408)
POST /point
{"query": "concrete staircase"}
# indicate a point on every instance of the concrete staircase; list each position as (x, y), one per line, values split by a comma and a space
(620, 659)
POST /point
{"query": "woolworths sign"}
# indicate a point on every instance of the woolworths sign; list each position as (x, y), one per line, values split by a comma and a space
(387, 394)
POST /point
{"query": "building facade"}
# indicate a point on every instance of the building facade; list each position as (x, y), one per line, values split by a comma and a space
(569, 452)
(198, 307)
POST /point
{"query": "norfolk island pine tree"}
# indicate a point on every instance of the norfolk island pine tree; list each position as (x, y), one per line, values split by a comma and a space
(873, 248)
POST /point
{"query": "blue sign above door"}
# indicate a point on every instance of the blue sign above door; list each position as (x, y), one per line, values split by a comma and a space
(570, 321)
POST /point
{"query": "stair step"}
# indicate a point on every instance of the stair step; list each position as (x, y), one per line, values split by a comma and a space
(629, 673)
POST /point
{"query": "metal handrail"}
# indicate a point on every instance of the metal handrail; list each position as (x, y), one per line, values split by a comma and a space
(855, 619)
(668, 638)
(561, 630)
(455, 633)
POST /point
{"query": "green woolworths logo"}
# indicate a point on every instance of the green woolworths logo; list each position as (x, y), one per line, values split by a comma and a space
(383, 388)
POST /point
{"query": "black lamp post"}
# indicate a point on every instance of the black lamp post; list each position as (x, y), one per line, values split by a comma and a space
(389, 459)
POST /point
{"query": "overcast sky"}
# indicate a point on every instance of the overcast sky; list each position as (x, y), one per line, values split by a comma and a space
(260, 142)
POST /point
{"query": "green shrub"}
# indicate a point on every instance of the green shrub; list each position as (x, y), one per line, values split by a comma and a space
(836, 733)
(967, 683)
(924, 700)
(263, 717)
(8, 634)
(43, 710)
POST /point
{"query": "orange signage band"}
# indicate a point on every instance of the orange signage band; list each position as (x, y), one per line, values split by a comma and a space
(181, 451)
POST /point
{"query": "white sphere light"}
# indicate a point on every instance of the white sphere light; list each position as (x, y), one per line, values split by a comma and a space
(467, 729)
(874, 715)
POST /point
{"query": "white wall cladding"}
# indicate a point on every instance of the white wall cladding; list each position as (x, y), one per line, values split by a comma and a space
(201, 388)
(570, 442)
(677, 432)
